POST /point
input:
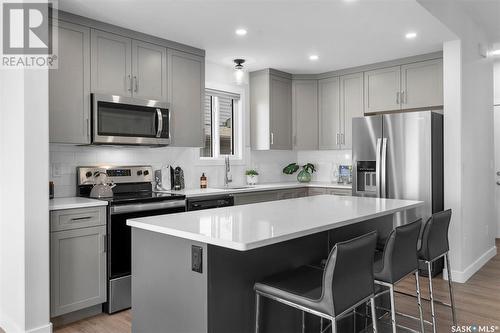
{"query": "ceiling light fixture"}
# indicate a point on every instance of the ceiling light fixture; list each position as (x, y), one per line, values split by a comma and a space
(411, 35)
(241, 32)
(238, 70)
(495, 52)
(313, 57)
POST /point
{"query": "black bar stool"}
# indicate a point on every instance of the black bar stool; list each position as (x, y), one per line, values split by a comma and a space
(434, 245)
(398, 260)
(332, 293)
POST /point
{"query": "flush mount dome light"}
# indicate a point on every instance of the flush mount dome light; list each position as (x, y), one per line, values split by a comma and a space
(495, 53)
(313, 57)
(238, 70)
(411, 35)
(241, 32)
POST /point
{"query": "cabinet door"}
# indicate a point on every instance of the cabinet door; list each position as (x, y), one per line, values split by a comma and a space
(312, 191)
(250, 198)
(281, 112)
(329, 113)
(78, 269)
(305, 112)
(351, 105)
(340, 191)
(422, 84)
(69, 87)
(149, 71)
(382, 89)
(111, 64)
(186, 91)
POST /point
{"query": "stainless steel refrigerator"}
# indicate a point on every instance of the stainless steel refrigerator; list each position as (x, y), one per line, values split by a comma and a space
(400, 156)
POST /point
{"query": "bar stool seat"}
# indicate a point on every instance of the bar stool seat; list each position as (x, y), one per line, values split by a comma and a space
(302, 286)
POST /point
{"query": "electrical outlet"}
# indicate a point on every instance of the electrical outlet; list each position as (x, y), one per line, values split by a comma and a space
(197, 259)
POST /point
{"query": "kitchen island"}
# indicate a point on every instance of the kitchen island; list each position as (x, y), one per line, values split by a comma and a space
(194, 272)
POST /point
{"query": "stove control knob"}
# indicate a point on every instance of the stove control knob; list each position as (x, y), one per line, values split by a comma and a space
(88, 174)
(139, 172)
(146, 172)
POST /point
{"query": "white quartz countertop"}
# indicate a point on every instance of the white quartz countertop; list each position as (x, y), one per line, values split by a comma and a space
(251, 226)
(197, 192)
(74, 202)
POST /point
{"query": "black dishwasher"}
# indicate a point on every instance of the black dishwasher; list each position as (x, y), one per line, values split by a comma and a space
(208, 202)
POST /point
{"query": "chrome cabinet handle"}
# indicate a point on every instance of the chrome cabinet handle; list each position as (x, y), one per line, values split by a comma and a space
(383, 169)
(272, 138)
(397, 97)
(404, 97)
(342, 137)
(104, 243)
(159, 117)
(129, 83)
(337, 139)
(81, 218)
(136, 85)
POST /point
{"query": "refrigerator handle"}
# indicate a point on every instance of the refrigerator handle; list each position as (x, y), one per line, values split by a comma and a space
(378, 166)
(383, 169)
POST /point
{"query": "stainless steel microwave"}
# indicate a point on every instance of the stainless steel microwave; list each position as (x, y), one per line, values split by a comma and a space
(118, 120)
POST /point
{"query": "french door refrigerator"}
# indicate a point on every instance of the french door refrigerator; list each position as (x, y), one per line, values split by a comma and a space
(400, 156)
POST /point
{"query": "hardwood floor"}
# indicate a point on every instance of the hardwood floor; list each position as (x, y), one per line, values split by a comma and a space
(477, 302)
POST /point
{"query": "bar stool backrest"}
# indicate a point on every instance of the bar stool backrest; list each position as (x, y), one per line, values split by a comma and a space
(348, 274)
(435, 236)
(400, 252)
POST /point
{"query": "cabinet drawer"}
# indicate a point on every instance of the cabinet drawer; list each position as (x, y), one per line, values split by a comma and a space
(340, 191)
(68, 219)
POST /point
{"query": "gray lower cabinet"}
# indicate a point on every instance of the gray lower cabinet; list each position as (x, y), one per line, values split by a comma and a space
(69, 87)
(77, 259)
(271, 110)
(186, 91)
(312, 191)
(273, 195)
(305, 114)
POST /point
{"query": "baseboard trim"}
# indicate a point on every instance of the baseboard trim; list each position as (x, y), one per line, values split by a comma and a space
(41, 329)
(466, 274)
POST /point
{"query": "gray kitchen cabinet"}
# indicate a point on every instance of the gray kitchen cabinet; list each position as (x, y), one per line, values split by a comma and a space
(77, 259)
(186, 91)
(292, 193)
(382, 89)
(111, 63)
(329, 113)
(254, 197)
(312, 191)
(149, 71)
(351, 106)
(305, 114)
(271, 110)
(422, 84)
(69, 87)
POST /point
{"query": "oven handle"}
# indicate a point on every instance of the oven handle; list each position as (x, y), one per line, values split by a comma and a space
(121, 209)
(160, 122)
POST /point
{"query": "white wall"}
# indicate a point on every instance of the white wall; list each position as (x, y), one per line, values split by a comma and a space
(24, 226)
(469, 149)
(496, 89)
(496, 82)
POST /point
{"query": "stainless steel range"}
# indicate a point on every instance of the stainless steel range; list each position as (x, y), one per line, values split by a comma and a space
(133, 196)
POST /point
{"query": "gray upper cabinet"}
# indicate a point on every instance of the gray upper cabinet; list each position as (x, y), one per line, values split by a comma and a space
(111, 63)
(305, 114)
(329, 113)
(186, 91)
(69, 87)
(271, 110)
(149, 71)
(77, 259)
(382, 89)
(422, 84)
(351, 105)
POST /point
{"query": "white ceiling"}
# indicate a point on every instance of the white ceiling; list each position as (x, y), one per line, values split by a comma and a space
(486, 14)
(281, 33)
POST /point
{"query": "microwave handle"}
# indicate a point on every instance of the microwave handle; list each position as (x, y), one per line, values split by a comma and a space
(160, 123)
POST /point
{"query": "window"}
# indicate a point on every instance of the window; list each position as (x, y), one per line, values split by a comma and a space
(220, 124)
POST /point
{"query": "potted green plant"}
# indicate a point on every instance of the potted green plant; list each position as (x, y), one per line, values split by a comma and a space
(304, 175)
(252, 176)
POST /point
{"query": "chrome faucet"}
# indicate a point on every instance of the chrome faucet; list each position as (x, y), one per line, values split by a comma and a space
(227, 172)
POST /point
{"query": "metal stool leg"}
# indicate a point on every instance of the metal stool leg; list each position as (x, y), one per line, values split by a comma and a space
(303, 322)
(433, 313)
(393, 309)
(257, 312)
(452, 300)
(321, 325)
(334, 326)
(374, 315)
(419, 302)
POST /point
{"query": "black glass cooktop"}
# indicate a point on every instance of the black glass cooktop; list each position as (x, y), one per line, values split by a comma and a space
(121, 198)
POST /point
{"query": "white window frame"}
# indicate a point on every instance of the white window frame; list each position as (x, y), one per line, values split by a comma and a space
(238, 157)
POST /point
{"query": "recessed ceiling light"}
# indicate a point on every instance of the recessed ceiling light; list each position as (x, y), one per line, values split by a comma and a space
(313, 57)
(241, 32)
(411, 35)
(495, 52)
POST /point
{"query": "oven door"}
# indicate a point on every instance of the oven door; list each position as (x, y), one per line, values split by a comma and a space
(129, 121)
(119, 263)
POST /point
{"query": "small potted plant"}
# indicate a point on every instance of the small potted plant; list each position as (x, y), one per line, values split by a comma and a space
(252, 177)
(304, 175)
